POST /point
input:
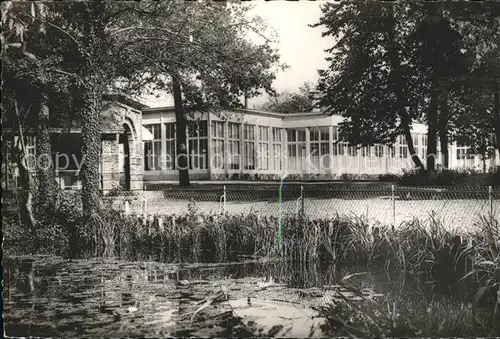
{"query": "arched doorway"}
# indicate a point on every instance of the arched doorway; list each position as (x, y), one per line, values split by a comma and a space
(125, 144)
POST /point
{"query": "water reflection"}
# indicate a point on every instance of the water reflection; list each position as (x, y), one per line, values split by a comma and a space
(54, 297)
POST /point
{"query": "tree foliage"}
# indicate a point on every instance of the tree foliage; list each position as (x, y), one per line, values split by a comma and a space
(396, 63)
(479, 26)
(93, 48)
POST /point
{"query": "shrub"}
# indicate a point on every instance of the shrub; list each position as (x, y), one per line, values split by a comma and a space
(441, 177)
(50, 234)
(389, 177)
(245, 176)
(494, 176)
(118, 191)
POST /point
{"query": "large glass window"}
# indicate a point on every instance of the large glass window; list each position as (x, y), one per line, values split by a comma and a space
(171, 146)
(463, 148)
(338, 146)
(152, 149)
(301, 149)
(352, 151)
(277, 149)
(461, 153)
(234, 145)
(31, 151)
(263, 155)
(392, 151)
(249, 147)
(416, 139)
(217, 154)
(365, 151)
(335, 133)
(198, 136)
(301, 135)
(403, 147)
(424, 147)
(291, 135)
(423, 153)
(320, 138)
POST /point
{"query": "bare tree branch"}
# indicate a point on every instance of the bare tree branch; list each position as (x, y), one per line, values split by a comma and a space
(54, 26)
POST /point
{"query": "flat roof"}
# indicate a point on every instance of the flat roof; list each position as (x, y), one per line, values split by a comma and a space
(243, 110)
(282, 116)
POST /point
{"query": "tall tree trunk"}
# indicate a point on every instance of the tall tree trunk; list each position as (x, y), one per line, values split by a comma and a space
(411, 147)
(180, 125)
(398, 83)
(92, 87)
(483, 156)
(444, 114)
(46, 178)
(26, 214)
(91, 146)
(432, 123)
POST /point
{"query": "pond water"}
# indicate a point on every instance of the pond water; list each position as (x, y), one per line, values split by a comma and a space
(51, 296)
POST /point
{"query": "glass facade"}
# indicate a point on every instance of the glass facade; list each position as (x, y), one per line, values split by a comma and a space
(277, 149)
(234, 155)
(152, 149)
(217, 156)
(239, 147)
(320, 149)
(249, 147)
(170, 145)
(263, 150)
(198, 144)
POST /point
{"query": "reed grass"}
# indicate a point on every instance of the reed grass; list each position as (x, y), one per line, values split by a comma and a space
(398, 315)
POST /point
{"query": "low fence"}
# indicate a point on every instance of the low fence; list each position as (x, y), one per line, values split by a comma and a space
(385, 204)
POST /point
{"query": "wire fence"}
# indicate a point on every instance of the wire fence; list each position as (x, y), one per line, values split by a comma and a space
(453, 207)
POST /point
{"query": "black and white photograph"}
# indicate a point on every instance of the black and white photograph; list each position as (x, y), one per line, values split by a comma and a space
(292, 169)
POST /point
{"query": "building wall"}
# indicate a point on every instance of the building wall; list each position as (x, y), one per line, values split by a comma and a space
(120, 119)
(116, 119)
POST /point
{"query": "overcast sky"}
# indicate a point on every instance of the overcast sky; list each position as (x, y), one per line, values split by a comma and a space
(300, 46)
